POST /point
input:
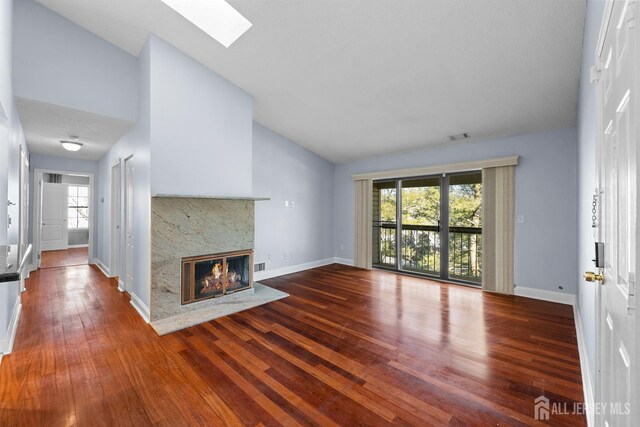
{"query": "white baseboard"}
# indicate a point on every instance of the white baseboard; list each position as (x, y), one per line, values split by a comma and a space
(78, 246)
(140, 307)
(6, 344)
(268, 274)
(345, 261)
(545, 295)
(120, 285)
(101, 266)
(587, 382)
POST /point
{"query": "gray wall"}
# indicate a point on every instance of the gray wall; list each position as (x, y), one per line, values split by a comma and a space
(11, 138)
(61, 63)
(587, 162)
(78, 237)
(135, 143)
(546, 193)
(284, 171)
(63, 164)
(200, 128)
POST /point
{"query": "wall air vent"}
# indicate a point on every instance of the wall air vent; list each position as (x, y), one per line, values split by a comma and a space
(459, 136)
(259, 267)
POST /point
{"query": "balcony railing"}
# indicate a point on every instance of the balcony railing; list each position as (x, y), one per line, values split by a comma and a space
(421, 250)
(465, 253)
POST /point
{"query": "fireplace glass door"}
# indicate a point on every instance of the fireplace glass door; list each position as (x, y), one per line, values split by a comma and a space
(210, 276)
(237, 273)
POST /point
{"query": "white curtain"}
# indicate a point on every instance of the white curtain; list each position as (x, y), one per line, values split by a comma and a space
(498, 201)
(363, 223)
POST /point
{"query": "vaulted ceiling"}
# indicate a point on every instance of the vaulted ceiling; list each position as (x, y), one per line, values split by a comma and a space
(356, 78)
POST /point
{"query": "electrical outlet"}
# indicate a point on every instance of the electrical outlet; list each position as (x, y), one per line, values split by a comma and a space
(342, 247)
(290, 254)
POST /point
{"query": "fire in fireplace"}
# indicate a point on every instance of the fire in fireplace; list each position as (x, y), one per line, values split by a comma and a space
(210, 276)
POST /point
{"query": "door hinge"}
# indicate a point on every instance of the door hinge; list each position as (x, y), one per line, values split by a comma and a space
(595, 74)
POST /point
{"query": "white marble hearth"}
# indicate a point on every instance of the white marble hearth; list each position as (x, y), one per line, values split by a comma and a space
(223, 306)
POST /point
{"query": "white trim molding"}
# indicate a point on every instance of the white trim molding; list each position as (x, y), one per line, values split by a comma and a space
(37, 209)
(343, 261)
(120, 285)
(438, 169)
(140, 307)
(101, 266)
(78, 246)
(6, 344)
(545, 295)
(587, 382)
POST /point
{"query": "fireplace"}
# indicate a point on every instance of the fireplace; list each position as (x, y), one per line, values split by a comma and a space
(215, 275)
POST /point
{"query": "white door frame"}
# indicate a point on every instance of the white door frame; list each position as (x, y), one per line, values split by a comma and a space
(37, 211)
(128, 211)
(116, 216)
(23, 233)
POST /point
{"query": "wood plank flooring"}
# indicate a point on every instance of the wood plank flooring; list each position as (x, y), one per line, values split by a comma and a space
(64, 258)
(348, 347)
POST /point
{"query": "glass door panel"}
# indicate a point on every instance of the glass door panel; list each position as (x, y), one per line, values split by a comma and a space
(420, 225)
(384, 224)
(465, 227)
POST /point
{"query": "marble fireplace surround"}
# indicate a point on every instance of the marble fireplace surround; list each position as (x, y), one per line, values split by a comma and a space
(184, 226)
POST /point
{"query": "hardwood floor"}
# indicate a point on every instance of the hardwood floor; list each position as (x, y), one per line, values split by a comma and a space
(64, 258)
(348, 347)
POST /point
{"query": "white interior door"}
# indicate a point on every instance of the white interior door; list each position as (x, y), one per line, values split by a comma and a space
(54, 234)
(617, 182)
(114, 267)
(128, 194)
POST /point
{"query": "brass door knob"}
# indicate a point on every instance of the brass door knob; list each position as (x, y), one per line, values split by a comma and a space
(590, 276)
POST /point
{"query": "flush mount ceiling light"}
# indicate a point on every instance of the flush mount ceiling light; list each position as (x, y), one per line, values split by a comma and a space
(459, 136)
(71, 145)
(217, 18)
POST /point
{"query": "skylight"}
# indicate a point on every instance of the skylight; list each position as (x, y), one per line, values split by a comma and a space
(215, 17)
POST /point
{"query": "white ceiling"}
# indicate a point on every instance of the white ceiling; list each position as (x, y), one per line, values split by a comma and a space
(356, 78)
(46, 124)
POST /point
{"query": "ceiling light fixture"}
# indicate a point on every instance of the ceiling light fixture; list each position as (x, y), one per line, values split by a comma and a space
(71, 145)
(217, 18)
(459, 136)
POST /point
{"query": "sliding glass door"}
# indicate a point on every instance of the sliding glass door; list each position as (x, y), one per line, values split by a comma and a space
(420, 225)
(385, 212)
(465, 227)
(430, 225)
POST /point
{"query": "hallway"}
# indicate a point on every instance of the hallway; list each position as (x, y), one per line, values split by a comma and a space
(64, 258)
